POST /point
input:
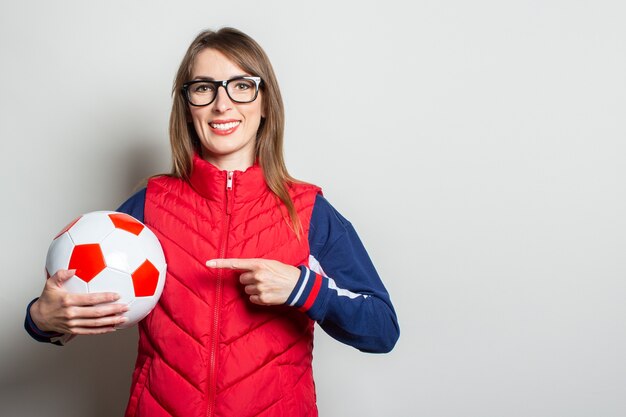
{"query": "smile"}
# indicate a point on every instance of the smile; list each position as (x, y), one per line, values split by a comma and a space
(224, 127)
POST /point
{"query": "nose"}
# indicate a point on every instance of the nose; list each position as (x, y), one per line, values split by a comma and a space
(222, 101)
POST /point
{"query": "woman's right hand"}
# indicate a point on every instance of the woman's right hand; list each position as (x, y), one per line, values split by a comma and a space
(60, 311)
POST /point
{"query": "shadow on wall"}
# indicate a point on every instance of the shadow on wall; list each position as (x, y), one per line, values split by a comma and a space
(88, 377)
(136, 162)
(141, 163)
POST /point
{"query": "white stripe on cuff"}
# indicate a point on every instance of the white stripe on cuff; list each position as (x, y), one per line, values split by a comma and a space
(302, 287)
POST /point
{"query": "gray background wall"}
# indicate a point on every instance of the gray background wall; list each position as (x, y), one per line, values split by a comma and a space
(478, 148)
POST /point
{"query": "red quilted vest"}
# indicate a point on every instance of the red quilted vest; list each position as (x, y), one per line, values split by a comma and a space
(205, 350)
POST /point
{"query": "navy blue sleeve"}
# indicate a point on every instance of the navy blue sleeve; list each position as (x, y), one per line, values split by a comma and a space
(133, 206)
(341, 289)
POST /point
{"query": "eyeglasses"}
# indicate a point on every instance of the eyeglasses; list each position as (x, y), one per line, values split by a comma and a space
(239, 90)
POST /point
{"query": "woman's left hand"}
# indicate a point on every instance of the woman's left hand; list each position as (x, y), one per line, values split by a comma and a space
(266, 281)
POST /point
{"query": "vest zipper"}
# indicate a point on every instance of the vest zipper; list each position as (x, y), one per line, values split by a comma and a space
(218, 298)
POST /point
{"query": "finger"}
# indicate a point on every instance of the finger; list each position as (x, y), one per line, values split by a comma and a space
(251, 290)
(103, 310)
(92, 330)
(92, 298)
(94, 323)
(256, 299)
(243, 264)
(247, 278)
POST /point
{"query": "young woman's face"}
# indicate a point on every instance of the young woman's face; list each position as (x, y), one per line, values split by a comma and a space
(227, 130)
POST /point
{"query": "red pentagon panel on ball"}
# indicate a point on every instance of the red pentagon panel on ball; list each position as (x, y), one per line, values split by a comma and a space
(126, 222)
(87, 260)
(66, 228)
(145, 279)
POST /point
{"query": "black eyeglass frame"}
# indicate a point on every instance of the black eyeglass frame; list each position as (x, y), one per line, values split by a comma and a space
(218, 84)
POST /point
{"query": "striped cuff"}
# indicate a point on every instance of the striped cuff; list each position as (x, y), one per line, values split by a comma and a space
(309, 293)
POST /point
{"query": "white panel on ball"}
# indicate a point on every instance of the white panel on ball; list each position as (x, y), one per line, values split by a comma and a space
(91, 228)
(59, 253)
(139, 308)
(152, 248)
(161, 283)
(122, 250)
(111, 280)
(75, 285)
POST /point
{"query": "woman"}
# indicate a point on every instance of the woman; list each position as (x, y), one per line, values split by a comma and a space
(254, 257)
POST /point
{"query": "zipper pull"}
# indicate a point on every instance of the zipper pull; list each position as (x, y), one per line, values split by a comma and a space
(229, 180)
(229, 192)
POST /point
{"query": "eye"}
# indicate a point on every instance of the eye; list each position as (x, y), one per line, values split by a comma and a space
(243, 85)
(201, 88)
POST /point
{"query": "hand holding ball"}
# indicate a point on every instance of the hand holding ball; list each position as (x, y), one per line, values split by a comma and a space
(111, 252)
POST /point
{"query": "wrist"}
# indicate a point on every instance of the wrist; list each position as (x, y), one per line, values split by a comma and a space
(36, 316)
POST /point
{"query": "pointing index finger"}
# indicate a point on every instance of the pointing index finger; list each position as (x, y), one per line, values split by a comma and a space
(242, 264)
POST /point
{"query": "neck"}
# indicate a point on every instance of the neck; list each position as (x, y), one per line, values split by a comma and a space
(228, 162)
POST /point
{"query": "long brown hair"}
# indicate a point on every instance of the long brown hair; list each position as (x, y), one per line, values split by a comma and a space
(249, 56)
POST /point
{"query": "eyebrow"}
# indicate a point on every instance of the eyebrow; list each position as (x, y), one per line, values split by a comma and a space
(206, 78)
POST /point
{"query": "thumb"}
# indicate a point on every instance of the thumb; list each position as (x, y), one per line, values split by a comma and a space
(62, 275)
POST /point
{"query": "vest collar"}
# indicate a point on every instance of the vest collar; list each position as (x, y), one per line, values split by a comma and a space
(210, 182)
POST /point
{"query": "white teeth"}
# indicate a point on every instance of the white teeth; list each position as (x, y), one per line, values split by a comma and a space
(224, 126)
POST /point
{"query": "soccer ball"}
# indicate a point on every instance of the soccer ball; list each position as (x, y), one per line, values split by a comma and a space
(111, 252)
